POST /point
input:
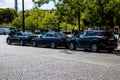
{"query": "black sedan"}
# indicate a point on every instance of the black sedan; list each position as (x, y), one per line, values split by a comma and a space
(50, 39)
(94, 40)
(20, 37)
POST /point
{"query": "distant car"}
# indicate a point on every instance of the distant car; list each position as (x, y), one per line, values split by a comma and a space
(50, 39)
(1, 30)
(21, 37)
(37, 32)
(7, 29)
(94, 40)
(67, 33)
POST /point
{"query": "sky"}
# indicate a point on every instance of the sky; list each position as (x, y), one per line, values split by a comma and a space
(28, 4)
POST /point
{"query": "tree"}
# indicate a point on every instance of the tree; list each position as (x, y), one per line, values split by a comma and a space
(102, 13)
(7, 15)
(17, 22)
(50, 21)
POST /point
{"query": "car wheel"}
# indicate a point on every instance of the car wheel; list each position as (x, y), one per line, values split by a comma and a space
(94, 48)
(22, 43)
(34, 43)
(9, 41)
(53, 45)
(72, 46)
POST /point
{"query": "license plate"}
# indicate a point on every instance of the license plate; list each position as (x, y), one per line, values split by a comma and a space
(111, 39)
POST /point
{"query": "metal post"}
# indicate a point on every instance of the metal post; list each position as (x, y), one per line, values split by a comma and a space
(23, 19)
(16, 6)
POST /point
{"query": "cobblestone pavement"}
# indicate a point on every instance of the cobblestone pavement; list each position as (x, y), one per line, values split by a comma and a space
(32, 63)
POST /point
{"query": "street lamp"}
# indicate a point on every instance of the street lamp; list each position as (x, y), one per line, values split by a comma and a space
(23, 19)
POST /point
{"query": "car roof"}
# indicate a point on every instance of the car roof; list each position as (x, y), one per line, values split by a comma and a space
(50, 33)
(97, 31)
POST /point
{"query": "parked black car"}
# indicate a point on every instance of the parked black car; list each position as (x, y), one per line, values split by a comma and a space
(20, 37)
(94, 40)
(50, 39)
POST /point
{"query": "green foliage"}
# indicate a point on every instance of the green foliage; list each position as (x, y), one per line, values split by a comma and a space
(93, 13)
(50, 21)
(7, 15)
(102, 13)
(65, 26)
(17, 22)
(37, 19)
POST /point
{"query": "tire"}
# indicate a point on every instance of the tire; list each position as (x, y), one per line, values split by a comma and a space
(22, 43)
(34, 43)
(9, 41)
(53, 45)
(94, 48)
(72, 46)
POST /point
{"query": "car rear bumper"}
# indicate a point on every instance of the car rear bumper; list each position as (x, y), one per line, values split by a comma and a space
(110, 46)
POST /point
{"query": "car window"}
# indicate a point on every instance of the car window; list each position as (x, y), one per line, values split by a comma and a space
(90, 34)
(44, 35)
(109, 34)
(81, 34)
(50, 35)
(60, 35)
(96, 33)
(93, 33)
(19, 34)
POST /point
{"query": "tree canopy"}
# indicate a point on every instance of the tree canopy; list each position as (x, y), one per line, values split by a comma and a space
(92, 13)
(7, 15)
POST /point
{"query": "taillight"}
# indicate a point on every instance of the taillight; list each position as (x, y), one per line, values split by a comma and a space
(61, 39)
(102, 37)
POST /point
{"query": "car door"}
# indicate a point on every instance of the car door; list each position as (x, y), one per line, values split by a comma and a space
(49, 39)
(89, 36)
(86, 39)
(15, 38)
(42, 40)
(78, 42)
(81, 40)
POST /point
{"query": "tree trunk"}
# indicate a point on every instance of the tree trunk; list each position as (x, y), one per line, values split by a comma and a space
(111, 23)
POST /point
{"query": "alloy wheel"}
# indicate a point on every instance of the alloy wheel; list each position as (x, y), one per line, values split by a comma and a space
(94, 48)
(53, 45)
(22, 43)
(34, 44)
(72, 46)
(8, 41)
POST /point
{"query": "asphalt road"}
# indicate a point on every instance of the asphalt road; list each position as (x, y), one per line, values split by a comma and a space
(35, 63)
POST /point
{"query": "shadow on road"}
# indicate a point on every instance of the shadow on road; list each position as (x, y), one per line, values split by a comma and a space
(67, 51)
